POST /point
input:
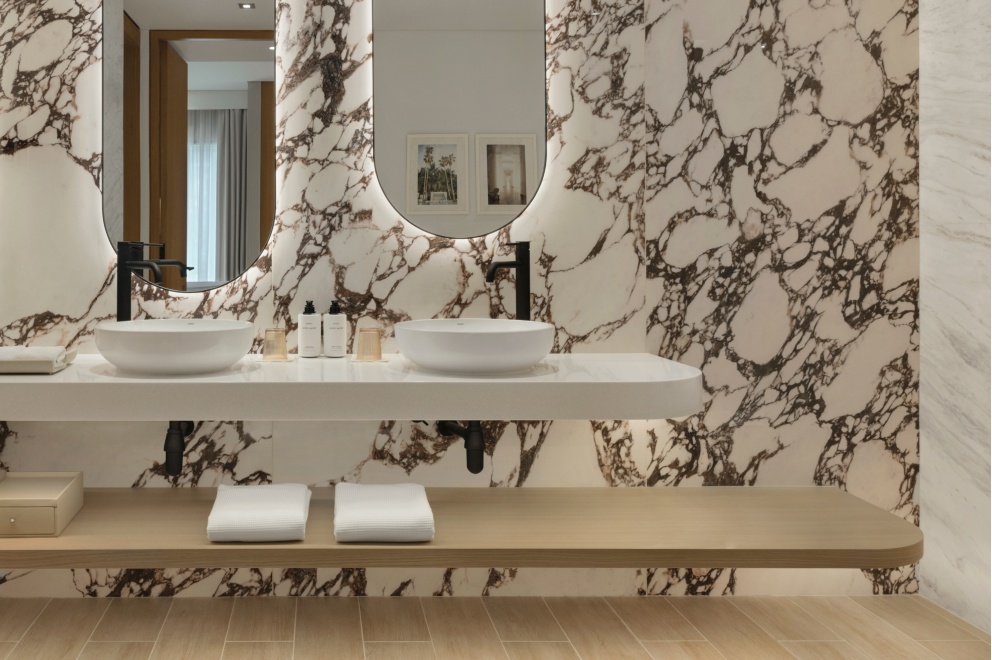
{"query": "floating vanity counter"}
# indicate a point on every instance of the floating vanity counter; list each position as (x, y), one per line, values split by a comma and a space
(563, 386)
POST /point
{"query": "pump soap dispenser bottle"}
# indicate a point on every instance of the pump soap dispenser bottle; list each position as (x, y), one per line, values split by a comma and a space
(335, 332)
(309, 332)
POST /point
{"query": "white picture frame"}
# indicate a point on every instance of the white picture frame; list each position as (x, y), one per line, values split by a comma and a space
(515, 185)
(452, 181)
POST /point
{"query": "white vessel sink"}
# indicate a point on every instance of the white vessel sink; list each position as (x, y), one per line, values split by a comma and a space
(475, 346)
(174, 347)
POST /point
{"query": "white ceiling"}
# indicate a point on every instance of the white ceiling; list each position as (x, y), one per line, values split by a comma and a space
(225, 50)
(227, 75)
(387, 14)
(200, 15)
(458, 15)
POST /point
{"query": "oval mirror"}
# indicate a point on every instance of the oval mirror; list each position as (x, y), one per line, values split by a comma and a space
(189, 134)
(460, 115)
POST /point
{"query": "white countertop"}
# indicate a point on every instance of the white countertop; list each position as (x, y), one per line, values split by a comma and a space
(563, 386)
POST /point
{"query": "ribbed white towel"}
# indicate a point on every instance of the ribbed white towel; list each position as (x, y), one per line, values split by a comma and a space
(259, 514)
(396, 513)
(33, 359)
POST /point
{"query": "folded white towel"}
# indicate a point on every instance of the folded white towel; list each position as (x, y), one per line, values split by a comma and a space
(393, 514)
(259, 514)
(34, 359)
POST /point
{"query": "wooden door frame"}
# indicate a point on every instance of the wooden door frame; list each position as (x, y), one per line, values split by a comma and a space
(156, 38)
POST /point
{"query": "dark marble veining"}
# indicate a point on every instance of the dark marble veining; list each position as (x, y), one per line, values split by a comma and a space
(733, 186)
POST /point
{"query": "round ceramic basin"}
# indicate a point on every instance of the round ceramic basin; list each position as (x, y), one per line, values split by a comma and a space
(475, 346)
(174, 347)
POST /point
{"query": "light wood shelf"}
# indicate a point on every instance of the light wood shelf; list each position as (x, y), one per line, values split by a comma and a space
(503, 527)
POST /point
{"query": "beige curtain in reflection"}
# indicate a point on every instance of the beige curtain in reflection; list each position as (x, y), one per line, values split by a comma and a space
(232, 195)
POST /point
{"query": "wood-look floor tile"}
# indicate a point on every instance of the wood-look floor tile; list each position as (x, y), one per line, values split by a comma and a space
(328, 626)
(783, 619)
(654, 618)
(728, 629)
(862, 629)
(524, 620)
(956, 620)
(540, 651)
(973, 650)
(399, 650)
(61, 630)
(195, 629)
(461, 629)
(595, 631)
(262, 620)
(393, 620)
(258, 650)
(823, 651)
(117, 651)
(17, 615)
(912, 618)
(683, 651)
(6, 648)
(132, 620)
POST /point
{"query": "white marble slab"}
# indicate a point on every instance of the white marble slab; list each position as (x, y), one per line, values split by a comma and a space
(563, 386)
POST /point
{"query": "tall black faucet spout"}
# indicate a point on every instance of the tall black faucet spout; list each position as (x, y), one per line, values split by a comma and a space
(522, 267)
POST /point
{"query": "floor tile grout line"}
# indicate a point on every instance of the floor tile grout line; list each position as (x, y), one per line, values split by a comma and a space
(563, 631)
(953, 623)
(789, 640)
(899, 632)
(296, 615)
(361, 628)
(949, 616)
(777, 641)
(493, 624)
(90, 638)
(636, 638)
(162, 627)
(420, 601)
(689, 623)
(227, 633)
(34, 620)
(799, 605)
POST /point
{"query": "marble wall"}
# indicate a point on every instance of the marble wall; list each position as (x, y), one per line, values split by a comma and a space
(954, 300)
(731, 185)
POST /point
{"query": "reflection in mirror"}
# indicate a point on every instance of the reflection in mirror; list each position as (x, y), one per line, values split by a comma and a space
(460, 115)
(189, 133)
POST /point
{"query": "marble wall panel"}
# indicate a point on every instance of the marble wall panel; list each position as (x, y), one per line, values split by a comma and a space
(730, 185)
(955, 318)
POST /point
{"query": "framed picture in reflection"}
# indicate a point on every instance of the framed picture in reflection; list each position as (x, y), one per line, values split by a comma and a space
(505, 173)
(437, 174)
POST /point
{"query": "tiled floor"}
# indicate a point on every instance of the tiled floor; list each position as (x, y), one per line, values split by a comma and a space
(717, 628)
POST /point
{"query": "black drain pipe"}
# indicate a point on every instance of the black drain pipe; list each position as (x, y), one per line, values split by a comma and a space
(475, 443)
(175, 446)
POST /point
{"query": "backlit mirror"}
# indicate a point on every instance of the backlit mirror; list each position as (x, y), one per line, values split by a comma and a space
(459, 118)
(189, 133)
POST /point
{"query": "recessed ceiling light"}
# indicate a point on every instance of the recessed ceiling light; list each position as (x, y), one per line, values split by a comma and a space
(246, 5)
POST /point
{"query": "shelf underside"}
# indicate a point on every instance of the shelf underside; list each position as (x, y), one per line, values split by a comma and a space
(503, 527)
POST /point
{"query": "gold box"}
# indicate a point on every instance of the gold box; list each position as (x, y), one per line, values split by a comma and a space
(39, 503)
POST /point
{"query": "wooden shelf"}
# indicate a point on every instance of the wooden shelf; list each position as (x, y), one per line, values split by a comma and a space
(503, 527)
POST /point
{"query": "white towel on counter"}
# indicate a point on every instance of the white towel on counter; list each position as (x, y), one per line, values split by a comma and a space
(396, 513)
(34, 359)
(259, 514)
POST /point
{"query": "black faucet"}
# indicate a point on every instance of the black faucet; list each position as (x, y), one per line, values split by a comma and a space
(130, 257)
(522, 266)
